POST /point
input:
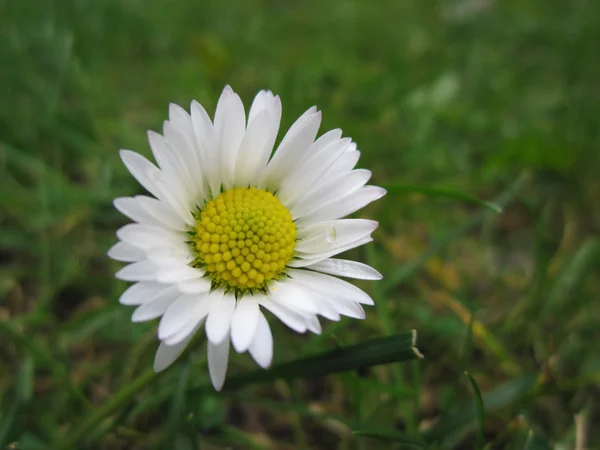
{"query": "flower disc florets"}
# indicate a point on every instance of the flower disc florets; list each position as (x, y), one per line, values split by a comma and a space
(244, 238)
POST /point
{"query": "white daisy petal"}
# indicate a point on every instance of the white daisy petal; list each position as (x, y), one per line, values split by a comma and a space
(203, 137)
(261, 347)
(191, 307)
(218, 356)
(186, 331)
(143, 170)
(122, 251)
(346, 268)
(197, 286)
(167, 354)
(157, 306)
(314, 325)
(292, 319)
(291, 150)
(178, 274)
(230, 124)
(162, 213)
(329, 286)
(305, 260)
(147, 237)
(293, 296)
(345, 205)
(257, 140)
(327, 309)
(130, 207)
(244, 324)
(138, 271)
(325, 236)
(218, 322)
(344, 185)
(311, 172)
(141, 292)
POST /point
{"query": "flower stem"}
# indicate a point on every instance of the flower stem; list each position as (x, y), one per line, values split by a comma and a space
(116, 402)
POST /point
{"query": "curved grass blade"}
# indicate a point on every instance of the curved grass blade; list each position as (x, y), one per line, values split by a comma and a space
(406, 271)
(391, 436)
(507, 394)
(441, 192)
(400, 347)
(480, 412)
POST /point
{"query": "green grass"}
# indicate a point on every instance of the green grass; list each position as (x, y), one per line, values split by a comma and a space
(451, 102)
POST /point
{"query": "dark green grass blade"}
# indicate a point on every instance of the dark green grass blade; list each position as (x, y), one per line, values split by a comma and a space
(400, 347)
(440, 192)
(480, 412)
(391, 436)
(505, 395)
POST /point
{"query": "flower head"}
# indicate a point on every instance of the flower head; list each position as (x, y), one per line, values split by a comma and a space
(231, 231)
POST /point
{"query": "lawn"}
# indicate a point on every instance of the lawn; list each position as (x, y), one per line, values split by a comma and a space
(480, 118)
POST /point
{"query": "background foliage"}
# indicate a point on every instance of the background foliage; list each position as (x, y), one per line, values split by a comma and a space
(497, 99)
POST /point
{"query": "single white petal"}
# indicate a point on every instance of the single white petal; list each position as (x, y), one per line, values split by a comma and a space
(170, 256)
(142, 170)
(185, 160)
(138, 271)
(198, 286)
(327, 309)
(330, 287)
(209, 159)
(167, 354)
(218, 356)
(315, 149)
(292, 319)
(344, 163)
(178, 274)
(230, 124)
(169, 162)
(219, 318)
(261, 347)
(122, 251)
(331, 193)
(243, 323)
(261, 159)
(314, 325)
(326, 236)
(130, 207)
(141, 292)
(293, 296)
(305, 177)
(185, 332)
(147, 236)
(348, 308)
(256, 141)
(186, 308)
(291, 150)
(308, 259)
(157, 306)
(345, 205)
(163, 214)
(346, 268)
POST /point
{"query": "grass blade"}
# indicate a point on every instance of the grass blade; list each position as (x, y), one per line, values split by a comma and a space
(480, 412)
(400, 347)
(391, 436)
(408, 270)
(505, 395)
(440, 192)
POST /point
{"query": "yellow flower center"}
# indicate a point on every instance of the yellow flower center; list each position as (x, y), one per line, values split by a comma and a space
(244, 238)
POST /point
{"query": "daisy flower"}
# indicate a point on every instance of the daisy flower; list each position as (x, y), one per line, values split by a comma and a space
(231, 231)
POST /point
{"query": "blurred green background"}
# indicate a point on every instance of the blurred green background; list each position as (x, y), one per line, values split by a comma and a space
(497, 99)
